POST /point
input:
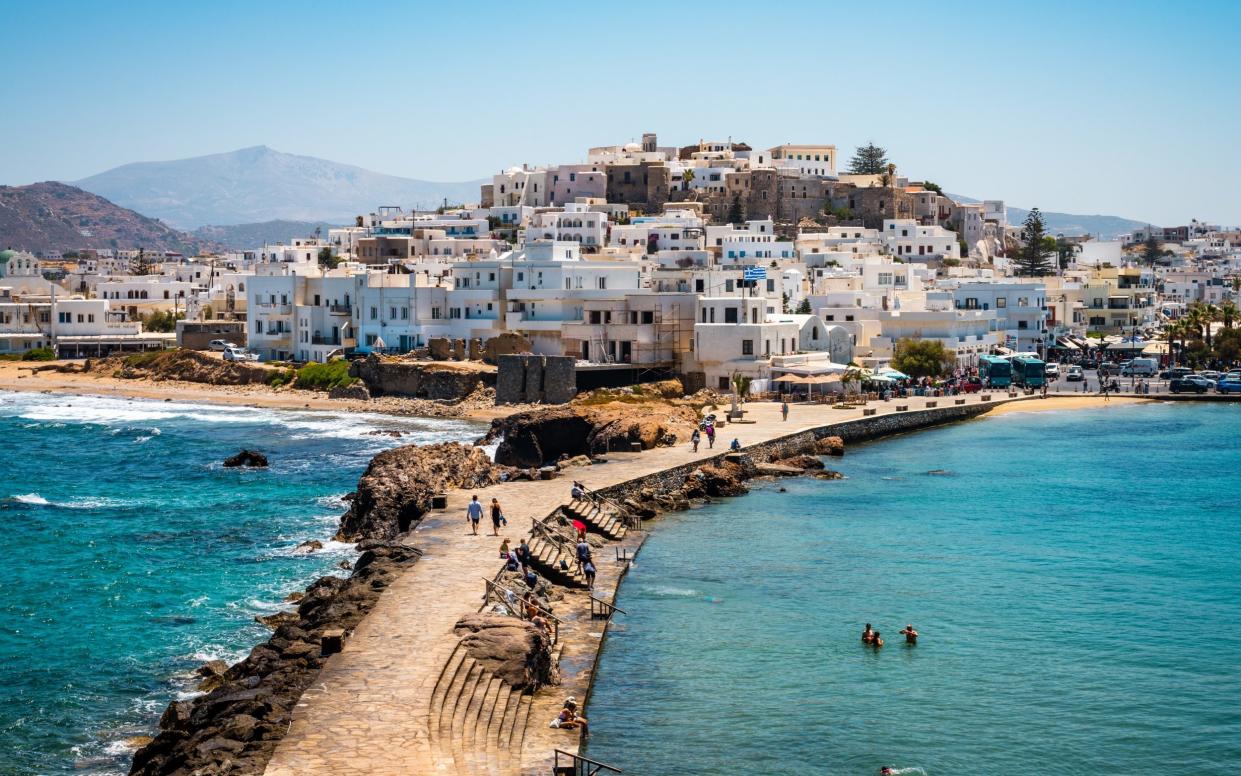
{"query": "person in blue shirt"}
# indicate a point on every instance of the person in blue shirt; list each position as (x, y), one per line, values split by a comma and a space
(475, 513)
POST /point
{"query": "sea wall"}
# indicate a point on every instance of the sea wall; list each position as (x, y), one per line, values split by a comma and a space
(799, 443)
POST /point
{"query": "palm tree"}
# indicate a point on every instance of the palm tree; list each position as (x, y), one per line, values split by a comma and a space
(1195, 317)
(852, 376)
(1210, 314)
(1228, 312)
(1177, 329)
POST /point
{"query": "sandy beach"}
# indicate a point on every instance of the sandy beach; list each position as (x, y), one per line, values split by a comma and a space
(19, 376)
(1065, 402)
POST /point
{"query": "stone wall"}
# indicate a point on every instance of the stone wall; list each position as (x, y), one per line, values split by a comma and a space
(527, 379)
(386, 377)
(197, 335)
(801, 442)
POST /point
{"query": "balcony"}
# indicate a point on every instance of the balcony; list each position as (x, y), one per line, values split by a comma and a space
(272, 308)
(339, 309)
(319, 340)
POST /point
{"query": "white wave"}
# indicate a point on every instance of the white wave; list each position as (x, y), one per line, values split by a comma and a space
(334, 501)
(32, 498)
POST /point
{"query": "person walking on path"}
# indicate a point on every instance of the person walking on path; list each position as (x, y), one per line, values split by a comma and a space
(583, 554)
(474, 513)
(523, 555)
(588, 568)
(497, 516)
(784, 410)
(694, 439)
(711, 436)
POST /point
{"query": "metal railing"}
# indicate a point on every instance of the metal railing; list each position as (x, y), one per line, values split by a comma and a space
(602, 610)
(522, 604)
(579, 766)
(630, 520)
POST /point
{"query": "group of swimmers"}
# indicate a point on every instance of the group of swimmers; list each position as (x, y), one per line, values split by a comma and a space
(871, 636)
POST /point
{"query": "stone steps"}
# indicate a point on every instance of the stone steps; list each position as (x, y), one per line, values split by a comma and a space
(546, 557)
(598, 519)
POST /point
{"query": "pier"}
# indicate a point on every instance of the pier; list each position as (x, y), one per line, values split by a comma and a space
(402, 697)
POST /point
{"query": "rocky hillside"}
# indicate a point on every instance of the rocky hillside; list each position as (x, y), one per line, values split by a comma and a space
(54, 216)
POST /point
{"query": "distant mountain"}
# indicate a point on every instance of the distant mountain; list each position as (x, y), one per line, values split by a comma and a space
(54, 216)
(1068, 224)
(247, 236)
(259, 184)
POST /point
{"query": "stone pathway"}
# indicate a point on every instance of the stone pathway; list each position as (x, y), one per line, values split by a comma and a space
(371, 710)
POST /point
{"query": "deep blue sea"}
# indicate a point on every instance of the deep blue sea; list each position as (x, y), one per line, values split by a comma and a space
(1075, 577)
(133, 555)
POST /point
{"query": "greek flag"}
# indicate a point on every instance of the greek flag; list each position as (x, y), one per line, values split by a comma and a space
(755, 273)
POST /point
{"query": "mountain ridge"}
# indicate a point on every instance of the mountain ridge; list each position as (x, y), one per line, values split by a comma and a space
(54, 216)
(1101, 226)
(259, 184)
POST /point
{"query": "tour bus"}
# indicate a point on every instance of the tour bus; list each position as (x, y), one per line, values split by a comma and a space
(995, 371)
(1029, 371)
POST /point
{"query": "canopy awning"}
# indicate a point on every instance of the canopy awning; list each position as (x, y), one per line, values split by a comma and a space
(895, 374)
(788, 379)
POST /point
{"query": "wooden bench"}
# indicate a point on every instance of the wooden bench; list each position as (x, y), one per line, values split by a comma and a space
(960, 401)
(986, 397)
(868, 411)
(932, 405)
(331, 641)
(902, 408)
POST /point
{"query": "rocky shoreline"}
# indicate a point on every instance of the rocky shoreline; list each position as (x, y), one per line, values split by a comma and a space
(234, 727)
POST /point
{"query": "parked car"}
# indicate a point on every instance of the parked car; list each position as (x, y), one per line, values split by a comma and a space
(1211, 375)
(1174, 372)
(1074, 374)
(219, 345)
(1189, 384)
(1052, 371)
(971, 385)
(1108, 368)
(239, 354)
(1140, 367)
(1229, 385)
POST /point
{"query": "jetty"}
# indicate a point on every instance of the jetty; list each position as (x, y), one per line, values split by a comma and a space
(403, 697)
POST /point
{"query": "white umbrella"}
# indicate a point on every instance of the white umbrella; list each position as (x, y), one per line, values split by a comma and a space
(379, 343)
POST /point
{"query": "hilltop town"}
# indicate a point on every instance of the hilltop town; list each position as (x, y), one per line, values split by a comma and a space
(707, 262)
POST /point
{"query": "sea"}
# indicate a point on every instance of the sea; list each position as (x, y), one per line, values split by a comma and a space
(132, 555)
(1075, 578)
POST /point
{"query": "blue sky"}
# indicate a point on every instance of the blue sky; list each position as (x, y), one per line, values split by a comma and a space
(1126, 108)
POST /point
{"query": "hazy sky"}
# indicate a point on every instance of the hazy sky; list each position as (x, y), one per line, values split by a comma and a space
(1126, 108)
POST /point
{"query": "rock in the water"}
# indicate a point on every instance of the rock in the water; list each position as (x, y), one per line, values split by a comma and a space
(249, 458)
(828, 474)
(307, 547)
(805, 462)
(832, 445)
(512, 649)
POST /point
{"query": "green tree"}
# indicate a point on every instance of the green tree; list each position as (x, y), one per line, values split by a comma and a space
(922, 358)
(804, 307)
(869, 159)
(1151, 252)
(1032, 258)
(1064, 252)
(741, 385)
(687, 179)
(161, 321)
(935, 187)
(327, 259)
(141, 265)
(736, 214)
(1228, 312)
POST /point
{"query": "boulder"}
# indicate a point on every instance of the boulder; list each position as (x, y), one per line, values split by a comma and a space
(307, 547)
(723, 480)
(249, 458)
(832, 445)
(512, 649)
(544, 436)
(805, 462)
(396, 489)
(828, 474)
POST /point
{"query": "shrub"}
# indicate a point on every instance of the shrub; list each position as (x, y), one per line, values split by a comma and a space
(39, 354)
(139, 360)
(325, 377)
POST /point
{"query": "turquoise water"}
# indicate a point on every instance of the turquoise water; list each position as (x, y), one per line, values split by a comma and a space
(1075, 577)
(133, 556)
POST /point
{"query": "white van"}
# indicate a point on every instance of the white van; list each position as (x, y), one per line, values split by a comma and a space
(1141, 367)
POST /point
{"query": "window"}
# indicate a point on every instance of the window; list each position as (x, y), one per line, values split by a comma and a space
(374, 313)
(747, 347)
(730, 315)
(724, 383)
(603, 282)
(1001, 302)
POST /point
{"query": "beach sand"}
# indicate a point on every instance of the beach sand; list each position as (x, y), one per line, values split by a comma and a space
(18, 376)
(1065, 402)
